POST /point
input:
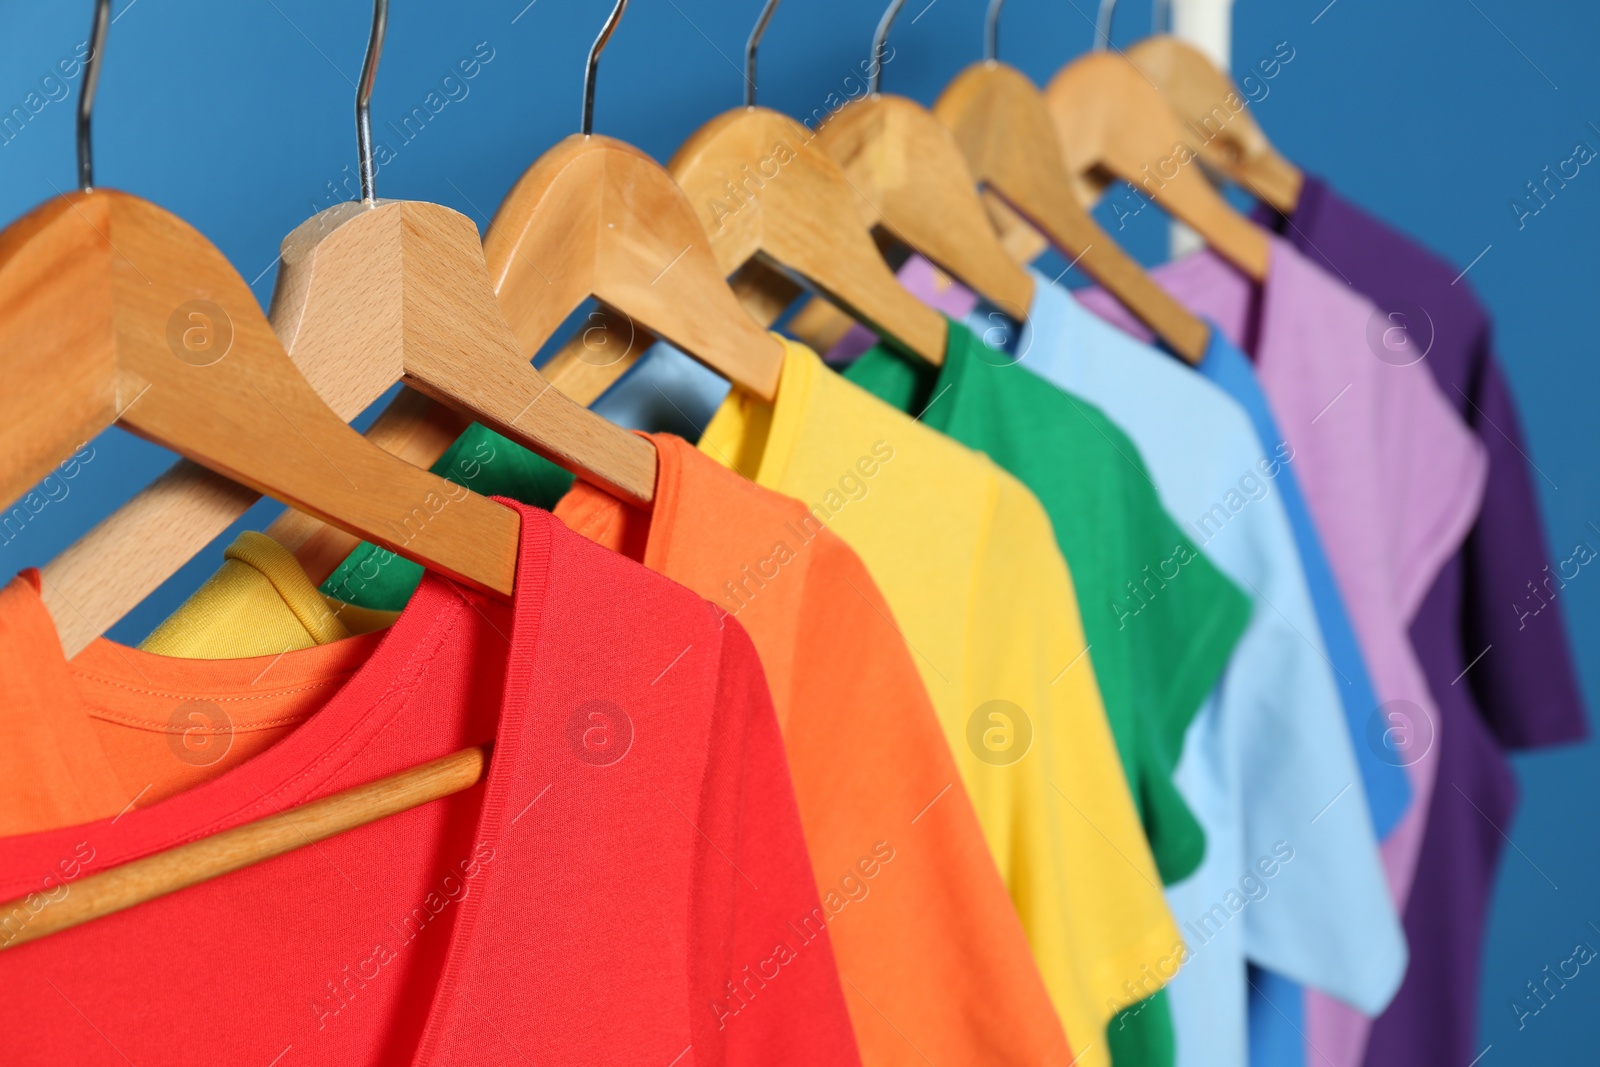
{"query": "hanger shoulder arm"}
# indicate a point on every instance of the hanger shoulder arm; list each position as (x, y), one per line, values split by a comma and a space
(910, 178)
(794, 207)
(207, 377)
(107, 572)
(1216, 113)
(596, 217)
(1110, 119)
(61, 382)
(1000, 120)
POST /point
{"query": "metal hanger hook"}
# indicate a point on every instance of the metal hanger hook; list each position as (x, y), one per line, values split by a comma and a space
(991, 31)
(880, 39)
(594, 64)
(1102, 24)
(750, 52)
(369, 74)
(91, 82)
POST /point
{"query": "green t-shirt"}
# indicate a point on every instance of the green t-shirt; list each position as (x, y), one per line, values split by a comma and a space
(1160, 619)
(481, 460)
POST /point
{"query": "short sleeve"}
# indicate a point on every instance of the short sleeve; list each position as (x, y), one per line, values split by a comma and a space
(1327, 919)
(765, 987)
(1080, 870)
(1183, 630)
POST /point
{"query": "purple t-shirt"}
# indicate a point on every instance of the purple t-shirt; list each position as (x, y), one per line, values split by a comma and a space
(1523, 693)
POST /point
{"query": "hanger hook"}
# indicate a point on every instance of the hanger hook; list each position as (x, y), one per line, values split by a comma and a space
(369, 74)
(91, 82)
(594, 64)
(880, 38)
(750, 52)
(991, 31)
(1102, 25)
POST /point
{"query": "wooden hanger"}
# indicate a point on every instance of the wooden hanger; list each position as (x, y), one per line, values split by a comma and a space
(1001, 122)
(592, 217)
(1234, 144)
(597, 217)
(767, 195)
(114, 310)
(1112, 123)
(912, 182)
(31, 311)
(369, 294)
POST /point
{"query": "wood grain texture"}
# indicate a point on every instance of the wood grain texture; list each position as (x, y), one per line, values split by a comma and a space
(366, 296)
(595, 217)
(108, 892)
(911, 178)
(1000, 120)
(763, 187)
(1111, 121)
(1229, 139)
(148, 324)
(464, 352)
(767, 195)
(412, 427)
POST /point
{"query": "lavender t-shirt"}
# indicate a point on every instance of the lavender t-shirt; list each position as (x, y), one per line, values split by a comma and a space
(1500, 670)
(1394, 480)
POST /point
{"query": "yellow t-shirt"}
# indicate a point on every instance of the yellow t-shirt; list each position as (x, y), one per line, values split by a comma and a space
(260, 602)
(967, 561)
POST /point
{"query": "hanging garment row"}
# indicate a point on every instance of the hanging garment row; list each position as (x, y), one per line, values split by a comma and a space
(972, 670)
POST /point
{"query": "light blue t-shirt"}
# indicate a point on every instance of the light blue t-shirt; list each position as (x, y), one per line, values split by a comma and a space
(1292, 879)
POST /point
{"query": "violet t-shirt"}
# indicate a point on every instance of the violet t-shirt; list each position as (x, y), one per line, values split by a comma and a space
(1524, 694)
(1394, 480)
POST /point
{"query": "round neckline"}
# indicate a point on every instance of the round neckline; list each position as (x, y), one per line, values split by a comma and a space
(379, 671)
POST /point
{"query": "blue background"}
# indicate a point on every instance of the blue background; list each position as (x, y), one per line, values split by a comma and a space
(237, 116)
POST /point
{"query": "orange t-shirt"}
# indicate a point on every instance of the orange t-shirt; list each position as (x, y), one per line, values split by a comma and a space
(116, 728)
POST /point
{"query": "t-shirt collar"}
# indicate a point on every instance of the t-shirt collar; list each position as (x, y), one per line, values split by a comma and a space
(1302, 216)
(943, 397)
(1060, 328)
(594, 512)
(757, 438)
(328, 739)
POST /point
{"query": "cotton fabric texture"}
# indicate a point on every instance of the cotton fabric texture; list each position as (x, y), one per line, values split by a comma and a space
(1276, 1015)
(636, 796)
(870, 764)
(967, 562)
(1500, 591)
(835, 667)
(1272, 750)
(1394, 481)
(1157, 644)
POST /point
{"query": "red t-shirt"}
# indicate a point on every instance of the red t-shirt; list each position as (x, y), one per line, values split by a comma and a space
(633, 856)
